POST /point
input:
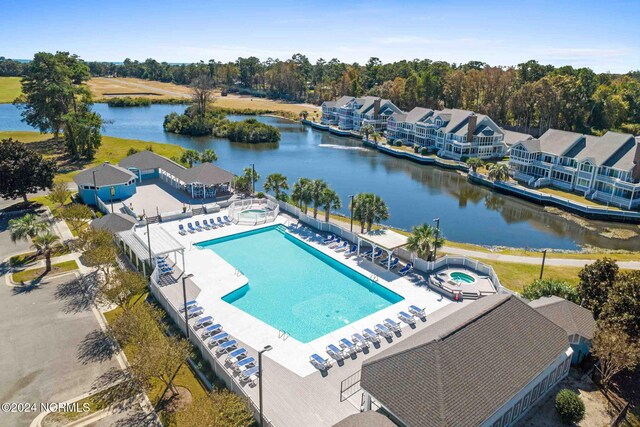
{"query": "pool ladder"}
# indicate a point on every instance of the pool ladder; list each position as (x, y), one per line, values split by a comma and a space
(374, 278)
(282, 334)
(238, 273)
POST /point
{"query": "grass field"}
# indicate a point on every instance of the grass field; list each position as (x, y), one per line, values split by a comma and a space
(515, 276)
(9, 89)
(112, 150)
(103, 87)
(574, 197)
(34, 273)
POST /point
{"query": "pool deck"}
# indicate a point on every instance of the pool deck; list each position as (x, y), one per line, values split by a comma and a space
(295, 392)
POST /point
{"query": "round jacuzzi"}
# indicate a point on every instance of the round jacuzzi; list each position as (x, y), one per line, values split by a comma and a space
(460, 277)
(252, 213)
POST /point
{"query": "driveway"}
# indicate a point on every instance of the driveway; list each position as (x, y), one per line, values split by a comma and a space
(52, 346)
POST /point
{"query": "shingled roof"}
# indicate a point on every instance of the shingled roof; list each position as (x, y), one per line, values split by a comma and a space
(207, 174)
(105, 174)
(463, 368)
(147, 160)
(114, 222)
(366, 419)
(569, 316)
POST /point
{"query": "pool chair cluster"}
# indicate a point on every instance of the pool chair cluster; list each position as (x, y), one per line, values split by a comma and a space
(238, 359)
(164, 266)
(360, 341)
(207, 224)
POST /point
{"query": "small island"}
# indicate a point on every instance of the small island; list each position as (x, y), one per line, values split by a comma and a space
(199, 119)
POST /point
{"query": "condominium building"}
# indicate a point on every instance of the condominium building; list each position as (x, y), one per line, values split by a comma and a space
(604, 168)
(455, 134)
(350, 113)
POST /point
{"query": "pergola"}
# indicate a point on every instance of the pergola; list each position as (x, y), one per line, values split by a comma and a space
(162, 243)
(384, 239)
(203, 180)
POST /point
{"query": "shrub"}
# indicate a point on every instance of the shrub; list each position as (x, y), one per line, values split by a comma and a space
(424, 151)
(398, 143)
(570, 406)
(132, 151)
(416, 148)
(551, 287)
(260, 195)
(128, 102)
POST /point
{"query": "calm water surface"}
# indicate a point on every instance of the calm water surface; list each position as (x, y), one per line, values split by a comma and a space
(414, 193)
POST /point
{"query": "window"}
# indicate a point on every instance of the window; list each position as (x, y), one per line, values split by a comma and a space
(586, 167)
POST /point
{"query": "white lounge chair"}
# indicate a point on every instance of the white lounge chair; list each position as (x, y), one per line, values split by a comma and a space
(211, 330)
(319, 362)
(343, 247)
(195, 311)
(202, 322)
(360, 341)
(416, 311)
(370, 335)
(348, 347)
(334, 352)
(352, 250)
(250, 375)
(190, 304)
(392, 325)
(236, 355)
(329, 239)
(382, 330)
(227, 346)
(219, 338)
(406, 317)
(245, 363)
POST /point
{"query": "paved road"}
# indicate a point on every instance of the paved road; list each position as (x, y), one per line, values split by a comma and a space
(51, 349)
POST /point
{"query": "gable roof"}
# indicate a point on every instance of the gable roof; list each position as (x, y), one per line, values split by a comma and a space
(343, 100)
(146, 160)
(463, 368)
(418, 114)
(512, 137)
(558, 142)
(329, 104)
(366, 419)
(571, 317)
(207, 174)
(531, 145)
(105, 174)
(114, 222)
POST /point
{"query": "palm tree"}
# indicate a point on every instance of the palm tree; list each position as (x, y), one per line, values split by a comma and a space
(369, 209)
(375, 136)
(499, 172)
(367, 130)
(304, 114)
(357, 206)
(330, 200)
(424, 238)
(208, 156)
(44, 244)
(474, 163)
(316, 192)
(26, 227)
(300, 193)
(251, 176)
(190, 157)
(276, 182)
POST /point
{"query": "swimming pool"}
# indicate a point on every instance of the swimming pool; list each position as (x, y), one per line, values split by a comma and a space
(460, 277)
(296, 288)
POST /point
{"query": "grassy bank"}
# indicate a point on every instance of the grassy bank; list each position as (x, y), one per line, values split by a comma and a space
(112, 150)
(10, 89)
(34, 273)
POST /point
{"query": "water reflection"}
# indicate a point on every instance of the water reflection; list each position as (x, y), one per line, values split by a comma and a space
(415, 193)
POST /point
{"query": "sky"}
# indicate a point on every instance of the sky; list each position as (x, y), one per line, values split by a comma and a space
(602, 35)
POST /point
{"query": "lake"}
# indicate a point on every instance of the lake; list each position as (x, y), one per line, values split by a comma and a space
(414, 193)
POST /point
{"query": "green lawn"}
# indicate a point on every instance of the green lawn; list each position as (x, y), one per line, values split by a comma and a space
(34, 273)
(515, 276)
(9, 89)
(26, 258)
(112, 150)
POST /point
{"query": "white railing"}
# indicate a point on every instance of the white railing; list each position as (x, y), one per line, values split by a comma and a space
(102, 206)
(266, 211)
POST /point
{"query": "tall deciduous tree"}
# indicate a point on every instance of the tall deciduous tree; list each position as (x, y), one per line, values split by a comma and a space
(125, 285)
(202, 93)
(100, 251)
(616, 351)
(23, 171)
(77, 216)
(59, 193)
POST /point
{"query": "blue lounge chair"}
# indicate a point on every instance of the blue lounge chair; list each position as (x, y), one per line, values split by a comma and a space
(245, 363)
(367, 254)
(190, 304)
(227, 220)
(406, 317)
(190, 227)
(166, 272)
(352, 250)
(359, 341)
(217, 339)
(220, 222)
(213, 329)
(348, 346)
(198, 226)
(250, 375)
(195, 311)
(319, 362)
(211, 224)
(407, 268)
(202, 322)
(334, 352)
(370, 335)
(394, 263)
(335, 243)
(378, 254)
(391, 325)
(382, 330)
(342, 247)
(236, 355)
(206, 225)
(416, 311)
(181, 230)
(329, 239)
(227, 346)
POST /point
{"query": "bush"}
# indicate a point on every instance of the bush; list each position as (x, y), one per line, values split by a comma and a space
(551, 287)
(128, 102)
(424, 151)
(570, 406)
(260, 195)
(416, 148)
(398, 143)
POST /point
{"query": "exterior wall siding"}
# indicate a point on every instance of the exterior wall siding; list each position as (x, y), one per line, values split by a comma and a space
(104, 193)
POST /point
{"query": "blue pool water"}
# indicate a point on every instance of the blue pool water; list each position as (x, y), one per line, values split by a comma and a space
(296, 288)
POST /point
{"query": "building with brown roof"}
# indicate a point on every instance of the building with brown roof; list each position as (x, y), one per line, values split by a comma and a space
(577, 321)
(486, 365)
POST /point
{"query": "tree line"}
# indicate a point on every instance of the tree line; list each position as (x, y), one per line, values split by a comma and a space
(530, 96)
